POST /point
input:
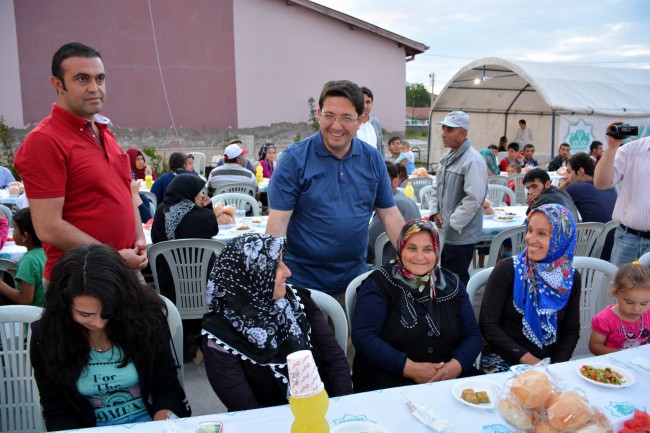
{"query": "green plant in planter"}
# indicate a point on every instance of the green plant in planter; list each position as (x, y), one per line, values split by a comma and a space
(155, 160)
(8, 153)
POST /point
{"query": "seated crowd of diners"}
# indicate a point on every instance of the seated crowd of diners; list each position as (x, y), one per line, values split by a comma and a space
(413, 321)
(101, 351)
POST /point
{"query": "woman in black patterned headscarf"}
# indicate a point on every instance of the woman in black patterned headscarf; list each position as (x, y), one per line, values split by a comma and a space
(256, 320)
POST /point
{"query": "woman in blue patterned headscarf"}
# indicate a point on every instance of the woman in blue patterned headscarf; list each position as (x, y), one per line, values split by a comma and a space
(532, 300)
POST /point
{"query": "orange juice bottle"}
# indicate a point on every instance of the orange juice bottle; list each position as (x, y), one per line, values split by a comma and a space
(309, 413)
(259, 173)
(409, 191)
(148, 178)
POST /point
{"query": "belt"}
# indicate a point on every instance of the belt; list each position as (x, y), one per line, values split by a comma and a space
(639, 233)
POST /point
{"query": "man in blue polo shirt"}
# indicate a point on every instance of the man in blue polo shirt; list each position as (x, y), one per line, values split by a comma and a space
(323, 193)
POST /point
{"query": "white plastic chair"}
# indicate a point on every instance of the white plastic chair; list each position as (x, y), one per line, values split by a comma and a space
(20, 404)
(517, 236)
(176, 330)
(425, 195)
(351, 294)
(8, 267)
(520, 188)
(588, 234)
(596, 276)
(243, 188)
(188, 261)
(7, 213)
(152, 198)
(334, 311)
(497, 195)
(199, 162)
(238, 201)
(645, 259)
(417, 183)
(476, 285)
(597, 250)
(498, 180)
(380, 244)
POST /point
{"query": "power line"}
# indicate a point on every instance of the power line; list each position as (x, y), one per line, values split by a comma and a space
(162, 79)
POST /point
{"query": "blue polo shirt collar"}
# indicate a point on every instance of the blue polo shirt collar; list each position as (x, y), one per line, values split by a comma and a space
(321, 150)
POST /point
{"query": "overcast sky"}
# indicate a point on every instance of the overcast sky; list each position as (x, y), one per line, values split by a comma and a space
(613, 33)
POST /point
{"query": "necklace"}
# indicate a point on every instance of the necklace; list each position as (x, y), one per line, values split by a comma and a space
(623, 327)
(105, 346)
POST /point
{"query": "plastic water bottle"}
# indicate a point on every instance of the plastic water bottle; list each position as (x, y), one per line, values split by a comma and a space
(259, 173)
(409, 191)
(309, 400)
(309, 413)
(148, 178)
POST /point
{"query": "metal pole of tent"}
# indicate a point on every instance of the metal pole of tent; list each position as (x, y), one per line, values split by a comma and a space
(553, 135)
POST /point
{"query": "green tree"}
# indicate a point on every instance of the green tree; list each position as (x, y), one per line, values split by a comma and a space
(6, 143)
(417, 95)
(313, 115)
(155, 160)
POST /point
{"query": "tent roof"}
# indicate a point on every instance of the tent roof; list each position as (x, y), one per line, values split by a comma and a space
(523, 87)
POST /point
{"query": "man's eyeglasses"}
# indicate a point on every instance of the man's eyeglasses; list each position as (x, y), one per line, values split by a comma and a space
(345, 120)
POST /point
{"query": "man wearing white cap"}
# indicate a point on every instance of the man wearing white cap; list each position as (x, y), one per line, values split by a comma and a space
(232, 171)
(461, 187)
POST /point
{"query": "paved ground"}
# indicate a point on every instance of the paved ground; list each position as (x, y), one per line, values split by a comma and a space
(199, 392)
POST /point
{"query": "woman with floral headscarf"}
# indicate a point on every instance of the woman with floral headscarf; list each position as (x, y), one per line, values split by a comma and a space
(531, 307)
(491, 162)
(256, 320)
(413, 321)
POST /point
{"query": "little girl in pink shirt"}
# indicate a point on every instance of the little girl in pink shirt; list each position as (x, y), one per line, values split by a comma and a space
(627, 323)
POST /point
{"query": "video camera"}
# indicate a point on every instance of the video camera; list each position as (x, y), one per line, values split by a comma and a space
(622, 131)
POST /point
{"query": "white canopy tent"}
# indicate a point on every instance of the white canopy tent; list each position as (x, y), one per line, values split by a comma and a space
(560, 102)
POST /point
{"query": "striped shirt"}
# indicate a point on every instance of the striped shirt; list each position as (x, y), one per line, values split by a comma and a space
(632, 170)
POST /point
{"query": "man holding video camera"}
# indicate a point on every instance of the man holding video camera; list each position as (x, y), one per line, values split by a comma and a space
(629, 165)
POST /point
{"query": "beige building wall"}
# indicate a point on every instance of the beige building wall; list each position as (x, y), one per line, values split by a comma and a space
(290, 52)
(11, 103)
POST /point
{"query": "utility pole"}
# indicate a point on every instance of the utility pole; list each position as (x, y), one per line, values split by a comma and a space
(433, 80)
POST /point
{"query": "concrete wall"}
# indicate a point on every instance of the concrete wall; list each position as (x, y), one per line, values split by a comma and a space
(285, 53)
(11, 104)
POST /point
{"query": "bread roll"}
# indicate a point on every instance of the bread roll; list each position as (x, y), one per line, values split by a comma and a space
(512, 412)
(569, 411)
(531, 389)
(543, 426)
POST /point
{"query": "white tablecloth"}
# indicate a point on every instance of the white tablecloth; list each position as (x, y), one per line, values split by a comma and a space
(387, 407)
(14, 252)
(491, 226)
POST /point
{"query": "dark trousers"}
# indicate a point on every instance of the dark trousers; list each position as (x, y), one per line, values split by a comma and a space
(457, 259)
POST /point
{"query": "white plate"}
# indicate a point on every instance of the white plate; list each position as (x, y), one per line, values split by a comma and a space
(477, 385)
(488, 216)
(628, 378)
(226, 226)
(359, 427)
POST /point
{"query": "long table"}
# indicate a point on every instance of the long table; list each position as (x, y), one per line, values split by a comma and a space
(388, 409)
(11, 251)
(492, 226)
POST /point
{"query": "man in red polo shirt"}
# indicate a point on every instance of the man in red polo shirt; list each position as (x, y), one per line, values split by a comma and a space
(75, 173)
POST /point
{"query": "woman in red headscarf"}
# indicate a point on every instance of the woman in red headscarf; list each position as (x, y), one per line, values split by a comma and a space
(138, 164)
